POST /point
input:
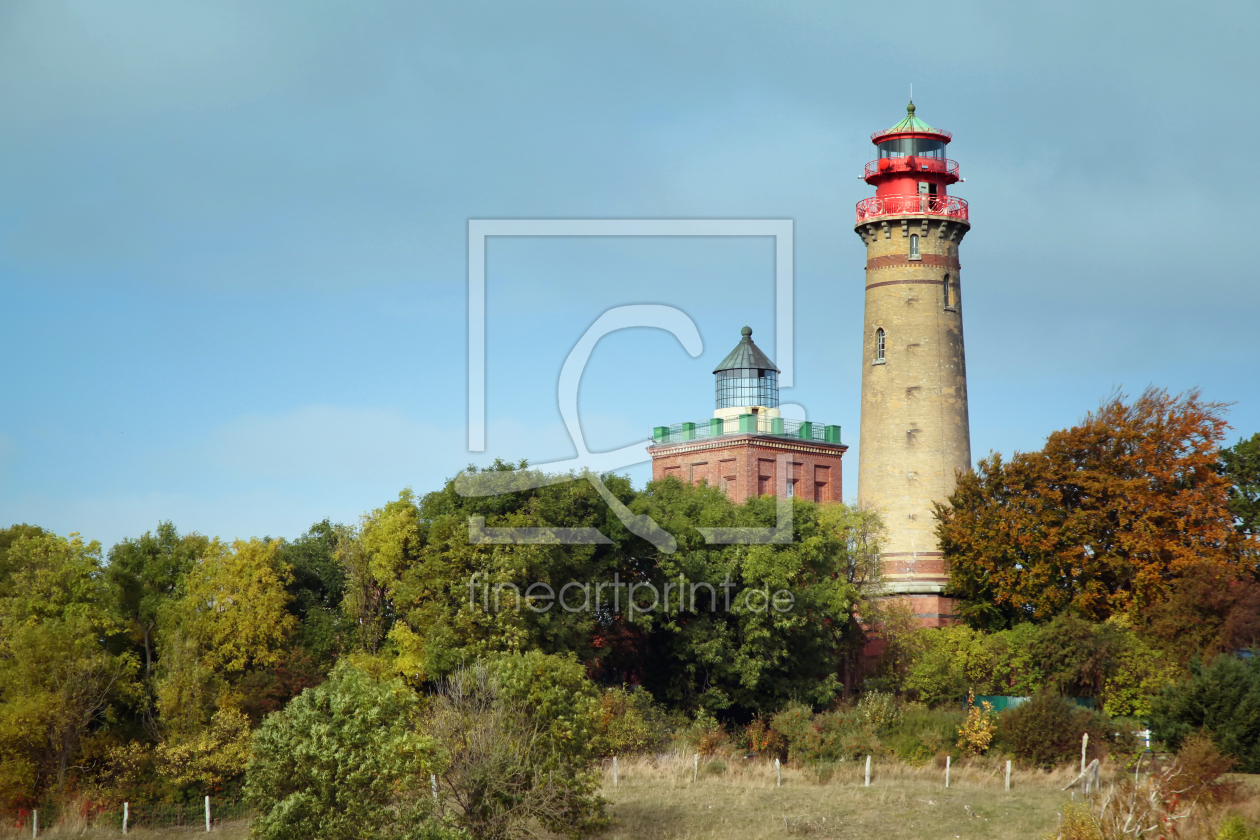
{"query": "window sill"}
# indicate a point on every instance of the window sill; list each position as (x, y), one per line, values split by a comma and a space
(917, 259)
(878, 361)
(951, 309)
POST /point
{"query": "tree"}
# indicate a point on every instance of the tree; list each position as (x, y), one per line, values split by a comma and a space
(1221, 699)
(343, 761)
(1102, 520)
(748, 628)
(1209, 611)
(235, 604)
(57, 677)
(231, 618)
(1241, 465)
(145, 573)
(317, 587)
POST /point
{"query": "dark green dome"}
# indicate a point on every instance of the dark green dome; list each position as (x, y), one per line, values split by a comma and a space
(746, 356)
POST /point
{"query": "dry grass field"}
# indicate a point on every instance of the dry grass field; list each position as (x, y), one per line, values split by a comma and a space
(738, 800)
(656, 799)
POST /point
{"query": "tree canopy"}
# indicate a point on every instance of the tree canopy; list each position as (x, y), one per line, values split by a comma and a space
(1102, 520)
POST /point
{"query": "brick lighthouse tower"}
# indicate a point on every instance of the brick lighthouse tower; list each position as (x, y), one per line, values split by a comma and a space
(914, 432)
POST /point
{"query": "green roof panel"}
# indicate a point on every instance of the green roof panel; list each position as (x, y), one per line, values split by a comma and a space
(746, 355)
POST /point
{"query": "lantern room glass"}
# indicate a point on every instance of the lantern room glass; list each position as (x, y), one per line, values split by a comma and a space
(746, 387)
(905, 146)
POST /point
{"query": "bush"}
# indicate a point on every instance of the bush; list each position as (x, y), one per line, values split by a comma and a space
(1047, 731)
(923, 733)
(844, 733)
(759, 737)
(1235, 828)
(1077, 822)
(628, 721)
(976, 733)
(516, 735)
(342, 761)
(1223, 700)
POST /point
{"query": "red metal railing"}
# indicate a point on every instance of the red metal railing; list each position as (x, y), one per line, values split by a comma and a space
(892, 132)
(911, 164)
(911, 205)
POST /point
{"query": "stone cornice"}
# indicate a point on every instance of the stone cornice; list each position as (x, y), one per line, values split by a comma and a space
(763, 441)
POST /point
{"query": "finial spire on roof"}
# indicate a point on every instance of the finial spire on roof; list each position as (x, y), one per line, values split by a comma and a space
(910, 109)
(746, 355)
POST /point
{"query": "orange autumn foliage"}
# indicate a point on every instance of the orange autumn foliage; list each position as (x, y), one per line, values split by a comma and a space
(1102, 520)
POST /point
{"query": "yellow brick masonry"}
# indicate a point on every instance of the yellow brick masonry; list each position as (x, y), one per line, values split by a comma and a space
(914, 431)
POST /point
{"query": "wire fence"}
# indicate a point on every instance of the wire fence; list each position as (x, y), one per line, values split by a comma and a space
(144, 819)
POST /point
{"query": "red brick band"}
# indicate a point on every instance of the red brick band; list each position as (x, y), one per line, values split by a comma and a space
(906, 283)
(901, 260)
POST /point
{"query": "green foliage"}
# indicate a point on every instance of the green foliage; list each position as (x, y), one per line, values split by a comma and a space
(145, 574)
(210, 760)
(1108, 661)
(843, 733)
(1047, 731)
(1138, 673)
(1222, 700)
(230, 618)
(342, 761)
(629, 721)
(562, 703)
(747, 658)
(515, 737)
(1234, 827)
(317, 587)
(923, 733)
(456, 602)
(58, 677)
(1241, 465)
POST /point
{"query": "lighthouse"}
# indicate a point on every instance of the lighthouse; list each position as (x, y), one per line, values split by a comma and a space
(914, 433)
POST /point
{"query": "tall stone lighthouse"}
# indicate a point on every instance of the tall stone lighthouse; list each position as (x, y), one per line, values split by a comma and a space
(915, 432)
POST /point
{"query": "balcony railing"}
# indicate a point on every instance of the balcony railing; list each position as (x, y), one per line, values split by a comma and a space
(746, 424)
(893, 132)
(911, 164)
(911, 205)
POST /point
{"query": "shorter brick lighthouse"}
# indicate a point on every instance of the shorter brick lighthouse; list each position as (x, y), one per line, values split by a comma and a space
(915, 433)
(747, 447)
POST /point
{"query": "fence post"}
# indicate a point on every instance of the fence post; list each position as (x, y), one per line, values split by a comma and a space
(1084, 745)
(1008, 774)
(207, 813)
(614, 771)
(34, 823)
(695, 772)
(868, 771)
(126, 813)
(778, 774)
(947, 770)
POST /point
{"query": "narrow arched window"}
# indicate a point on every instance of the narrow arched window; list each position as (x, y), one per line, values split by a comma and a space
(914, 246)
(945, 288)
(879, 344)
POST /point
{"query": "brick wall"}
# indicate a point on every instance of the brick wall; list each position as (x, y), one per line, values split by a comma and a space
(752, 465)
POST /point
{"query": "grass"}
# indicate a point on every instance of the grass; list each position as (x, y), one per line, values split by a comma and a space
(236, 830)
(656, 798)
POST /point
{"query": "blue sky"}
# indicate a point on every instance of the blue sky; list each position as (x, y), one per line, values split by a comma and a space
(233, 235)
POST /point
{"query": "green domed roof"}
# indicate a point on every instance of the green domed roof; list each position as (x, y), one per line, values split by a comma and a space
(910, 123)
(746, 355)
